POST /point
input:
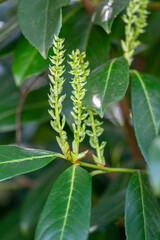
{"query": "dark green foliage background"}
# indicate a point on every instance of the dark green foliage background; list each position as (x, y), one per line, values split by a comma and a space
(25, 45)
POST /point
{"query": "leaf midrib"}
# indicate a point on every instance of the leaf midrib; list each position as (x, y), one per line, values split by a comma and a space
(26, 159)
(142, 200)
(107, 80)
(148, 101)
(69, 201)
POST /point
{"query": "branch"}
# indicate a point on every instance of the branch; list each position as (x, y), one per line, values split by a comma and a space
(88, 6)
(20, 106)
(131, 139)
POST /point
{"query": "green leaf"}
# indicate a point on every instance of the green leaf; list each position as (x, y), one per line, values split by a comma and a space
(100, 42)
(142, 212)
(15, 160)
(35, 107)
(87, 37)
(8, 28)
(39, 20)
(108, 209)
(106, 11)
(107, 84)
(8, 48)
(154, 165)
(145, 109)
(27, 61)
(31, 209)
(80, 25)
(111, 204)
(66, 214)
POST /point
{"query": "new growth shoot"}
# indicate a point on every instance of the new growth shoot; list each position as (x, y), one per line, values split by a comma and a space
(82, 115)
(55, 97)
(80, 73)
(94, 133)
(136, 21)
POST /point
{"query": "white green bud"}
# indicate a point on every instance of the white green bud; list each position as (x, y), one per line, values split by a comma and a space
(135, 20)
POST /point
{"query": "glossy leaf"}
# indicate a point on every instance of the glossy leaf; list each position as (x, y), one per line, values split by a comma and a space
(66, 214)
(15, 160)
(87, 37)
(154, 165)
(106, 11)
(31, 209)
(142, 211)
(39, 20)
(27, 61)
(107, 84)
(145, 109)
(100, 53)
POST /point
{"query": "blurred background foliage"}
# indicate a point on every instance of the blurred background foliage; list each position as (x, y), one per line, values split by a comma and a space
(24, 118)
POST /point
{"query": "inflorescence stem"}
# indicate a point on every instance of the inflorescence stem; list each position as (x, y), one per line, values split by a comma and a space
(110, 170)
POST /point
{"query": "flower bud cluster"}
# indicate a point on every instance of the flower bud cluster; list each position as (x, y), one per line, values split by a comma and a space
(136, 21)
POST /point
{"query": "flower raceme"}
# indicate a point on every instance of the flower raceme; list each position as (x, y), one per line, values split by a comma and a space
(136, 21)
(82, 115)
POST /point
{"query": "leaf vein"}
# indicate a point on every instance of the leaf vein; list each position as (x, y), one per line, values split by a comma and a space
(26, 159)
(141, 193)
(69, 201)
(148, 101)
(107, 79)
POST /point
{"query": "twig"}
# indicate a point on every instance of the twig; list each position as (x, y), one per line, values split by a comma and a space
(88, 6)
(154, 5)
(20, 106)
(110, 170)
(129, 130)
